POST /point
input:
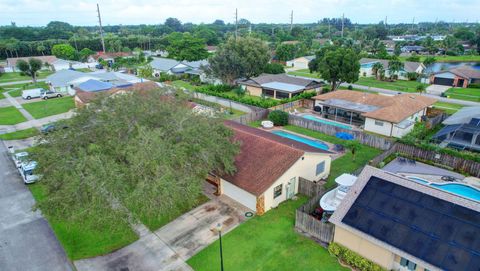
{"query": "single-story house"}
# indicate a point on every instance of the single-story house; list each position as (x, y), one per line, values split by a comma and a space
(412, 49)
(107, 56)
(402, 224)
(66, 80)
(62, 64)
(392, 116)
(462, 130)
(300, 62)
(456, 77)
(175, 67)
(366, 65)
(12, 61)
(92, 89)
(268, 168)
(278, 86)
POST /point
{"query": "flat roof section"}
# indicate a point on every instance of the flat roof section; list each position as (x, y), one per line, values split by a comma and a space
(357, 107)
(283, 86)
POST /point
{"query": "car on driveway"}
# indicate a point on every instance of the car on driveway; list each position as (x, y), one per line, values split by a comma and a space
(50, 94)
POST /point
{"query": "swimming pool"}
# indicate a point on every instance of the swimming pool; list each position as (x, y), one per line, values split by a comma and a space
(311, 117)
(314, 143)
(463, 190)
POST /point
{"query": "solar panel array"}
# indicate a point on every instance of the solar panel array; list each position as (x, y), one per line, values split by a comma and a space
(439, 232)
(474, 122)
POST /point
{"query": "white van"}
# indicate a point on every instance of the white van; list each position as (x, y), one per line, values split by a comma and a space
(32, 93)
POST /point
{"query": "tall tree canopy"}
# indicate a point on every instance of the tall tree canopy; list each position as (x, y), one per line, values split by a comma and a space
(147, 152)
(64, 51)
(184, 46)
(237, 58)
(336, 65)
(30, 68)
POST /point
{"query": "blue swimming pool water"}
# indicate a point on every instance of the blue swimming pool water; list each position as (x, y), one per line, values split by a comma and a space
(455, 188)
(314, 143)
(311, 117)
(367, 65)
(420, 180)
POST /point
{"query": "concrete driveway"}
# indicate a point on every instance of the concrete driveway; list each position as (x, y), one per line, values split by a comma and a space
(436, 89)
(26, 239)
(169, 247)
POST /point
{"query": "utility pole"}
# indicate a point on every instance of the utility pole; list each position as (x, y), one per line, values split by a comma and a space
(413, 23)
(75, 41)
(101, 29)
(291, 21)
(343, 24)
(236, 23)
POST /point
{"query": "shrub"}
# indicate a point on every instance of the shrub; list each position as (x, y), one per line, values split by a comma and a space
(474, 85)
(274, 68)
(353, 259)
(412, 76)
(350, 87)
(278, 117)
(217, 88)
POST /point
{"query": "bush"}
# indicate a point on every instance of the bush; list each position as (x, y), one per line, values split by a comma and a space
(353, 259)
(278, 117)
(166, 77)
(217, 88)
(274, 68)
(349, 87)
(412, 76)
(474, 85)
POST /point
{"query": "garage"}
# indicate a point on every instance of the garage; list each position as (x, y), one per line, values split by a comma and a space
(443, 81)
(239, 195)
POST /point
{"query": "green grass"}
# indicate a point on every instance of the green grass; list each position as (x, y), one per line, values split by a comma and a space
(22, 134)
(466, 94)
(83, 240)
(10, 115)
(16, 76)
(154, 223)
(448, 107)
(49, 107)
(466, 58)
(267, 242)
(398, 85)
(304, 73)
(183, 84)
(15, 90)
(344, 164)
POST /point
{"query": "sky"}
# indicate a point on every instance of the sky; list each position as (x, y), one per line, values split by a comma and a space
(132, 12)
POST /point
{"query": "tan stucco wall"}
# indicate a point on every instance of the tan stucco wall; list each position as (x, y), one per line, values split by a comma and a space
(365, 248)
(254, 91)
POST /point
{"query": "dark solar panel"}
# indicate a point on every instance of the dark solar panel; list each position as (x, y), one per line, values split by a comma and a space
(475, 122)
(436, 231)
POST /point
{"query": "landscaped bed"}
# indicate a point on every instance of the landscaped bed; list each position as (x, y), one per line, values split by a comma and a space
(22, 134)
(49, 107)
(10, 115)
(267, 242)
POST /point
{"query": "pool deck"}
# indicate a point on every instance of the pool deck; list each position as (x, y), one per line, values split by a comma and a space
(318, 116)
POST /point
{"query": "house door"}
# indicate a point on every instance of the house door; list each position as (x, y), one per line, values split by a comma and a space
(291, 188)
(460, 83)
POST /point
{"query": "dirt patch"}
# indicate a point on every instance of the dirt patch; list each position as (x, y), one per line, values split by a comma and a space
(210, 208)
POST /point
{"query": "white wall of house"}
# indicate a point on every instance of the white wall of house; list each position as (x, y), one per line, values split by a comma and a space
(298, 63)
(236, 193)
(378, 126)
(65, 89)
(400, 132)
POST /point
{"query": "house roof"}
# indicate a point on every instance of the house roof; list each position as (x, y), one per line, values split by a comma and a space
(87, 96)
(63, 77)
(465, 72)
(12, 61)
(110, 55)
(464, 115)
(67, 77)
(283, 86)
(277, 78)
(390, 108)
(93, 85)
(429, 226)
(166, 64)
(408, 66)
(263, 157)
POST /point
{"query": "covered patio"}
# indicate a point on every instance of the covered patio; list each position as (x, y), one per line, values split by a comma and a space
(279, 90)
(345, 111)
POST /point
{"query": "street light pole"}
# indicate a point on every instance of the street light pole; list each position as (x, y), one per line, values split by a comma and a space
(219, 229)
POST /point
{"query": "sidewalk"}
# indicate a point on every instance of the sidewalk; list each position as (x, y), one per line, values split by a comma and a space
(36, 123)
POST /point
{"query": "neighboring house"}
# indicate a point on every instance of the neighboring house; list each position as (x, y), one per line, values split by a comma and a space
(462, 130)
(109, 57)
(92, 88)
(366, 65)
(211, 48)
(300, 63)
(268, 168)
(401, 224)
(392, 116)
(175, 67)
(456, 77)
(12, 62)
(62, 64)
(412, 49)
(66, 80)
(279, 86)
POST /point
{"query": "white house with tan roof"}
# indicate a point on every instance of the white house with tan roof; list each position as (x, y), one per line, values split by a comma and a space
(392, 116)
(366, 65)
(300, 63)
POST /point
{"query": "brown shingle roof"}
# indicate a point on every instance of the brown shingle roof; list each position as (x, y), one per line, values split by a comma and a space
(392, 108)
(466, 72)
(12, 62)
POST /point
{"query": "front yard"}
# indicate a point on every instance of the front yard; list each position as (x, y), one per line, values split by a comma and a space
(304, 73)
(15, 90)
(467, 94)
(10, 115)
(398, 85)
(267, 242)
(49, 107)
(22, 134)
(448, 107)
(16, 76)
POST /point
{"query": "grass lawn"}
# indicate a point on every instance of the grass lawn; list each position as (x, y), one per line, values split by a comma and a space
(304, 73)
(80, 240)
(16, 76)
(183, 84)
(49, 107)
(466, 58)
(15, 90)
(344, 164)
(448, 107)
(267, 242)
(22, 134)
(10, 115)
(467, 94)
(398, 85)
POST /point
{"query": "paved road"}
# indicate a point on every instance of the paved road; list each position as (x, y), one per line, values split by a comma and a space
(26, 239)
(20, 82)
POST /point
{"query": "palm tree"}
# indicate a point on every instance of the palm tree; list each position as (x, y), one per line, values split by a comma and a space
(420, 88)
(354, 146)
(377, 67)
(448, 43)
(394, 66)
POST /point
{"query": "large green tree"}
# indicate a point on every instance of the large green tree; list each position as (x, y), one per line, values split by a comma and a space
(30, 67)
(64, 51)
(186, 47)
(336, 65)
(237, 58)
(285, 52)
(394, 67)
(144, 151)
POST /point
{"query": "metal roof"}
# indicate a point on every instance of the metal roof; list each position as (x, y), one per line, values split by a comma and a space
(344, 104)
(464, 115)
(283, 86)
(93, 85)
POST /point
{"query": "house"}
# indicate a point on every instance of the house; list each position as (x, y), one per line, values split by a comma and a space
(462, 130)
(172, 66)
(107, 56)
(456, 77)
(12, 61)
(300, 63)
(211, 48)
(412, 49)
(366, 65)
(62, 64)
(268, 168)
(93, 89)
(401, 224)
(392, 116)
(278, 86)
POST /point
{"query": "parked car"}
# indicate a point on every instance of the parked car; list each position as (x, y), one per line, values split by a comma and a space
(32, 93)
(47, 128)
(99, 66)
(26, 170)
(19, 158)
(50, 94)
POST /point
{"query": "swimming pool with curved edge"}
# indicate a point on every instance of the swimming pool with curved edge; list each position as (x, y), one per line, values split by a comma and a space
(314, 143)
(324, 121)
(462, 190)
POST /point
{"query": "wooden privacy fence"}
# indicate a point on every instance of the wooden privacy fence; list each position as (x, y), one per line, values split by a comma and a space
(309, 188)
(432, 122)
(252, 116)
(364, 138)
(292, 105)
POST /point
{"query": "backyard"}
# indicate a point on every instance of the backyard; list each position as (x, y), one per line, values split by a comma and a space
(267, 242)
(467, 94)
(49, 107)
(10, 115)
(17, 76)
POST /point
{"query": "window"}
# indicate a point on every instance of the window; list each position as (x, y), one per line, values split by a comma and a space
(379, 123)
(277, 191)
(408, 264)
(282, 95)
(268, 92)
(320, 168)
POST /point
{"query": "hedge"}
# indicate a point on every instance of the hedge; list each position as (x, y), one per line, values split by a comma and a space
(353, 259)
(278, 117)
